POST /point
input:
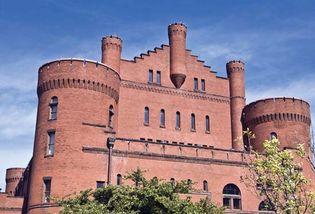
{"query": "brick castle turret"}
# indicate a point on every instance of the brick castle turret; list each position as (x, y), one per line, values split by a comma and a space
(12, 178)
(177, 42)
(235, 72)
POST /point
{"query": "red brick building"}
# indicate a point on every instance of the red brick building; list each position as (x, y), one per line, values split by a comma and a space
(165, 112)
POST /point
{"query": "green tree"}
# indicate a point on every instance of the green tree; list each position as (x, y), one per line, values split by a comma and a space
(148, 196)
(279, 179)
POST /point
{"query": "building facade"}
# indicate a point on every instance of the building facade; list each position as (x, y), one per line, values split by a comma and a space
(165, 112)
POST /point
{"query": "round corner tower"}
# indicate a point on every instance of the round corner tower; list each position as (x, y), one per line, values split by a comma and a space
(177, 41)
(12, 178)
(235, 73)
(287, 119)
(75, 97)
(111, 51)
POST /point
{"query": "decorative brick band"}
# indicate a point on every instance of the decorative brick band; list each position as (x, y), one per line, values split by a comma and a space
(174, 92)
(80, 84)
(168, 157)
(279, 117)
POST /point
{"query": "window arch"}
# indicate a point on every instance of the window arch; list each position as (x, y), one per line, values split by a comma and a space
(207, 124)
(53, 107)
(232, 197)
(146, 116)
(273, 135)
(205, 186)
(162, 118)
(119, 179)
(110, 116)
(177, 120)
(192, 122)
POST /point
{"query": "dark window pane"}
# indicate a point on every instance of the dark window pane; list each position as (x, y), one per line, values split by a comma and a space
(195, 84)
(162, 118)
(193, 122)
(119, 179)
(236, 203)
(273, 135)
(203, 85)
(100, 184)
(158, 77)
(47, 189)
(177, 120)
(53, 108)
(205, 186)
(231, 189)
(150, 76)
(146, 115)
(227, 202)
(51, 143)
(207, 123)
(110, 116)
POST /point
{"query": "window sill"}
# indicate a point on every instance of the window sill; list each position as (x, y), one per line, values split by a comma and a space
(162, 126)
(207, 132)
(193, 130)
(48, 156)
(52, 119)
(146, 124)
(177, 129)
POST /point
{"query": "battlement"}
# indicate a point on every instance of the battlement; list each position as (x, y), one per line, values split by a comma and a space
(177, 26)
(112, 40)
(234, 65)
(76, 62)
(276, 102)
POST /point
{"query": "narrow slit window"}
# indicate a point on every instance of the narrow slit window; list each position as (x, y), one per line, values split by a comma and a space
(162, 118)
(119, 179)
(53, 107)
(205, 186)
(158, 77)
(195, 84)
(146, 116)
(150, 80)
(203, 85)
(110, 116)
(51, 143)
(207, 124)
(178, 120)
(192, 122)
(47, 189)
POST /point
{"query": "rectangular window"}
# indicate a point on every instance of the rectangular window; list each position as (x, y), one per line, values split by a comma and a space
(150, 76)
(158, 77)
(236, 203)
(227, 202)
(195, 84)
(47, 189)
(203, 85)
(51, 143)
(100, 184)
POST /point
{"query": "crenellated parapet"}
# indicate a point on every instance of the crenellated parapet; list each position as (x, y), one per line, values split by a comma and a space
(288, 118)
(177, 28)
(80, 74)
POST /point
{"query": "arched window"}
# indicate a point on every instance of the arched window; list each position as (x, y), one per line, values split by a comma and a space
(192, 122)
(207, 124)
(173, 182)
(110, 116)
(119, 179)
(265, 206)
(178, 120)
(53, 108)
(146, 116)
(205, 186)
(273, 135)
(232, 197)
(162, 118)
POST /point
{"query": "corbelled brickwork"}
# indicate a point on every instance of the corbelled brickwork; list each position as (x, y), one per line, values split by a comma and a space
(164, 111)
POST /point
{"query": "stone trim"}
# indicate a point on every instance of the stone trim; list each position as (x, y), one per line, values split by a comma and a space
(165, 157)
(43, 205)
(174, 92)
(80, 84)
(279, 117)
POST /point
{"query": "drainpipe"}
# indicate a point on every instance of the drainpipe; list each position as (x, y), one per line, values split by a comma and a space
(110, 146)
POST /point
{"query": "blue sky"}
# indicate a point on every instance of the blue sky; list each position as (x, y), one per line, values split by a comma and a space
(275, 38)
